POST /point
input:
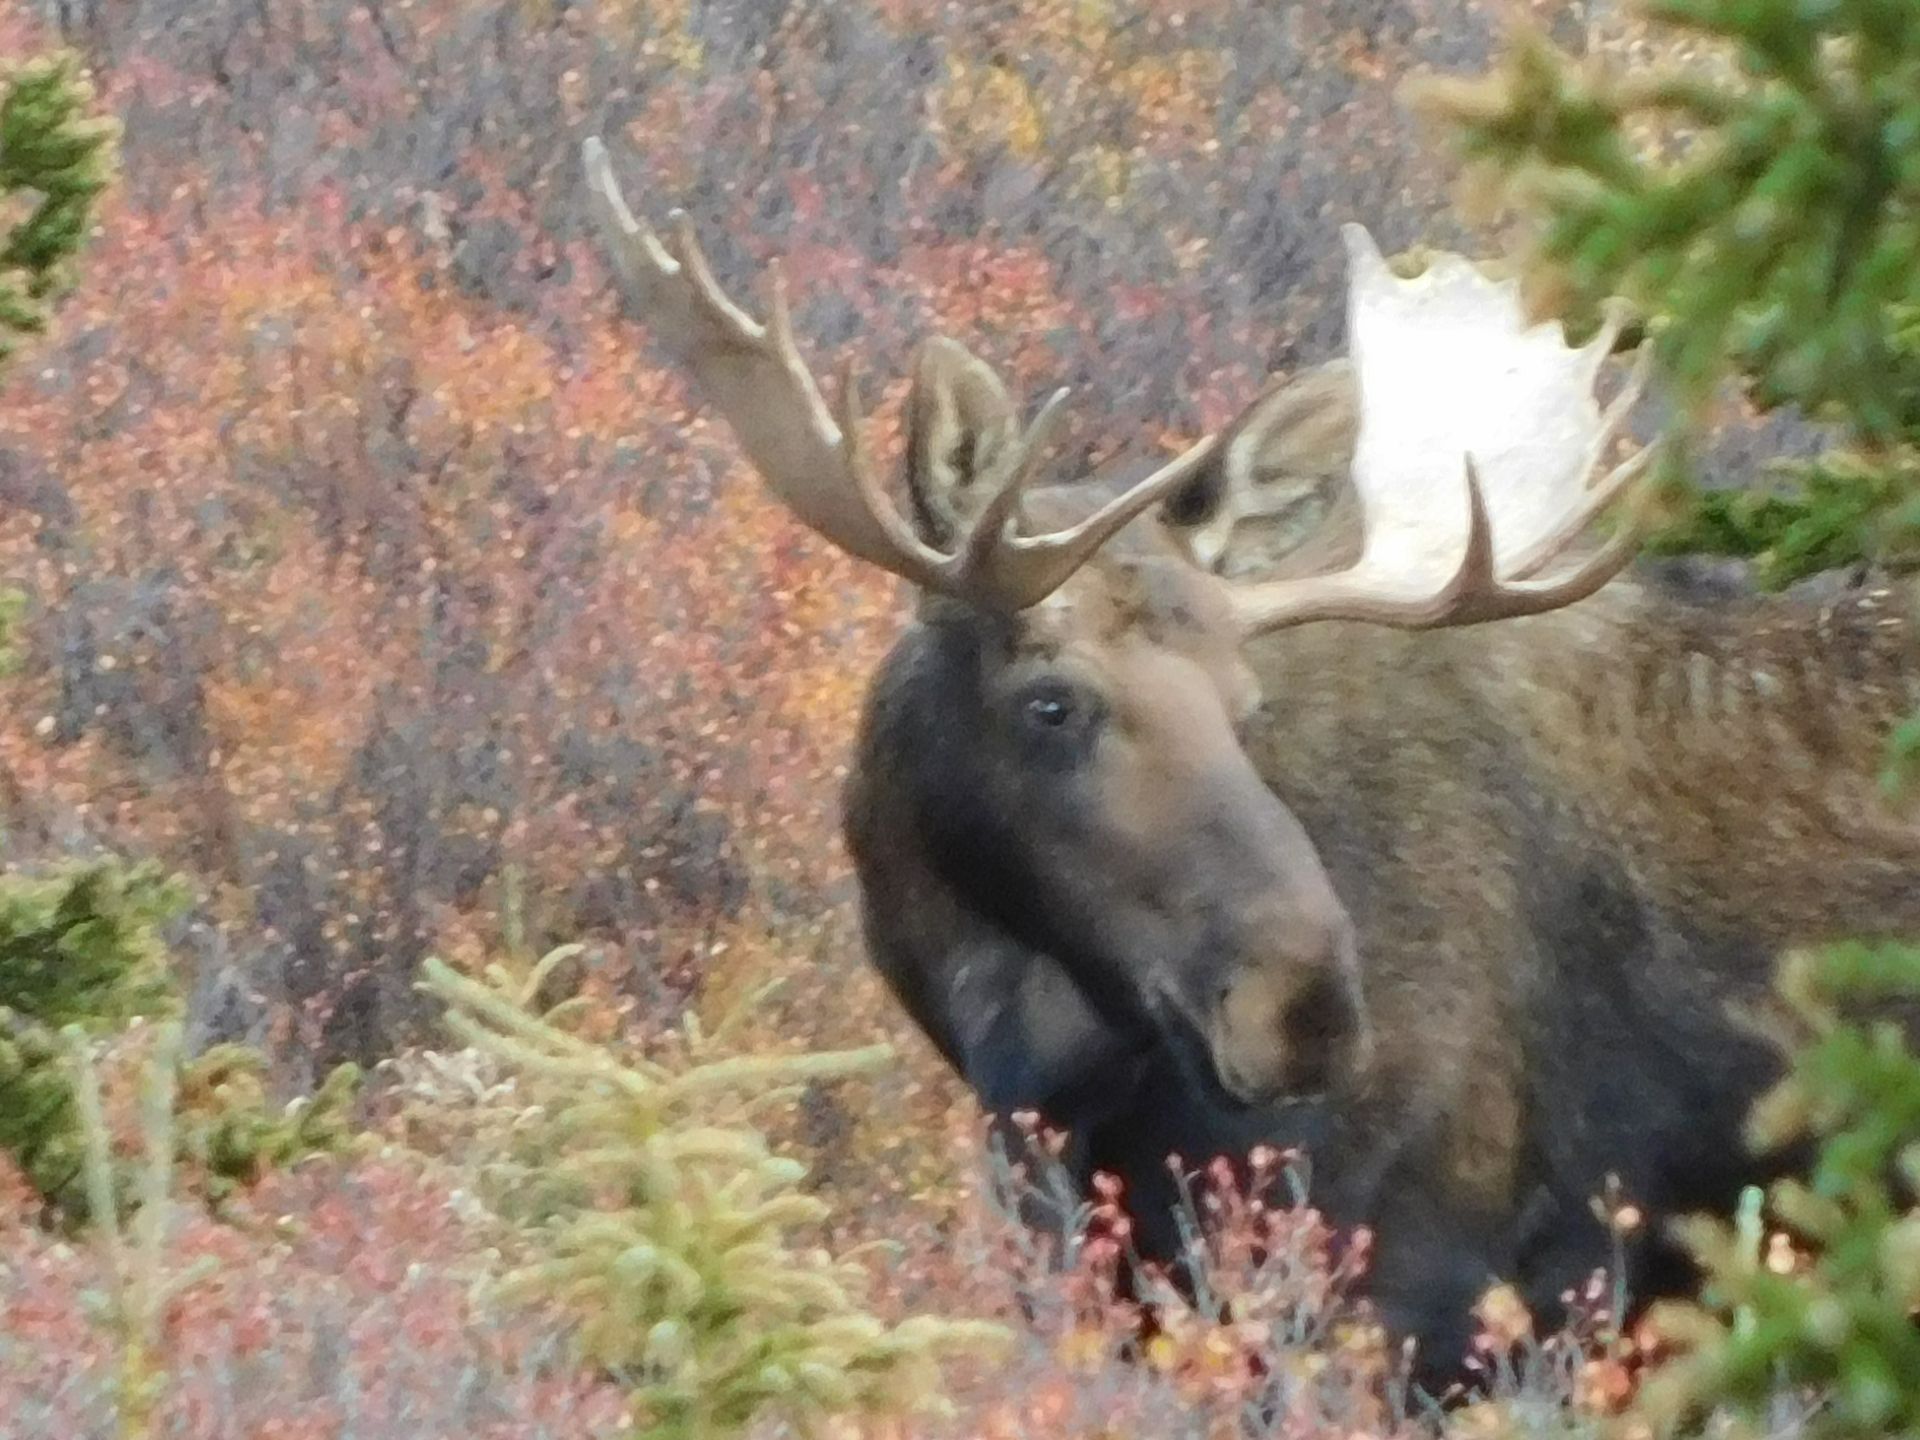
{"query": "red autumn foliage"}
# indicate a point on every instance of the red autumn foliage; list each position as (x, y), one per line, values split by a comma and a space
(335, 1303)
(382, 580)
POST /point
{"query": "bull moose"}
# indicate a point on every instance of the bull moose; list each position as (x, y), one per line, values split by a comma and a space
(1436, 839)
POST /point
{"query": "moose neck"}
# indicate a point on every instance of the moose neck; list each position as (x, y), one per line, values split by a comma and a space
(1726, 748)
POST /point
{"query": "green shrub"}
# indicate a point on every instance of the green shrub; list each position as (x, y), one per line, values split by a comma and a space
(1760, 204)
(56, 157)
(79, 947)
(81, 950)
(669, 1230)
(1842, 1321)
(231, 1132)
(13, 604)
(141, 1282)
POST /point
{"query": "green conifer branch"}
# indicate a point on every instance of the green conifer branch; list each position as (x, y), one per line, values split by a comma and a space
(1760, 205)
(56, 157)
(1842, 1325)
(674, 1239)
(81, 948)
(1775, 227)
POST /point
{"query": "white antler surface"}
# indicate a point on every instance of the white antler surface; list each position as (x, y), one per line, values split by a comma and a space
(1478, 434)
(1447, 367)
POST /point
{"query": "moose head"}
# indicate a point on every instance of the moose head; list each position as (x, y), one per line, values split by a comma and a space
(1055, 750)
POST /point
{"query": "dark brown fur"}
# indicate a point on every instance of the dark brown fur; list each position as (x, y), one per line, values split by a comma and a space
(1571, 848)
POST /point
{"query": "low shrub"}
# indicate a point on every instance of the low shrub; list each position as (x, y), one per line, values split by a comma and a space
(654, 1213)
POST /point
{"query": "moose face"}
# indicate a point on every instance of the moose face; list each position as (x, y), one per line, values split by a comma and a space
(1076, 779)
(1060, 725)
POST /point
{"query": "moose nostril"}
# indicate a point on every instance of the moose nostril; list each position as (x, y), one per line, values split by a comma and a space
(1321, 1011)
(1317, 1023)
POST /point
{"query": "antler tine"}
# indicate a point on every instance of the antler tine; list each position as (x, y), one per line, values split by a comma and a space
(1040, 434)
(1447, 364)
(1536, 597)
(639, 259)
(1610, 488)
(1039, 565)
(1486, 596)
(1473, 594)
(1352, 595)
(989, 529)
(1615, 482)
(726, 316)
(817, 463)
(926, 563)
(754, 375)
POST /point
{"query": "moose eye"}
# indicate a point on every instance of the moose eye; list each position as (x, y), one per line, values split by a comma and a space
(1050, 712)
(1055, 710)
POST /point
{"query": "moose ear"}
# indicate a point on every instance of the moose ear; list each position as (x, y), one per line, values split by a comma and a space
(1278, 471)
(962, 430)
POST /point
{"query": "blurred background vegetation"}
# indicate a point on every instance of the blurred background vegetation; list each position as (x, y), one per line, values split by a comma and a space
(359, 571)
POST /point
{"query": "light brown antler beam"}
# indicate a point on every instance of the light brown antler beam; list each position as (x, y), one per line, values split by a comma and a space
(817, 465)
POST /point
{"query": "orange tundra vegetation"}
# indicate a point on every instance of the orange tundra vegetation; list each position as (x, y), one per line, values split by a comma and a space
(379, 579)
(373, 577)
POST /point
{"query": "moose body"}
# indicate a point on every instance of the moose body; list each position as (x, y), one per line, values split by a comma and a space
(1422, 846)
(1572, 849)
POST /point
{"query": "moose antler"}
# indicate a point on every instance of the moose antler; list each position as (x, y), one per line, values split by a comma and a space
(1478, 433)
(816, 463)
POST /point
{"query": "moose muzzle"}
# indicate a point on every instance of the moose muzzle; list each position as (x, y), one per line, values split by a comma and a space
(1292, 1024)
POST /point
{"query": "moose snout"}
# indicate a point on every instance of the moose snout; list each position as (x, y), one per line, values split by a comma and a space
(1292, 1026)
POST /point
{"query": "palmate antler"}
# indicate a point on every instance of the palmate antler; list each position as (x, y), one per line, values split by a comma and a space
(1478, 433)
(816, 462)
(1477, 436)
